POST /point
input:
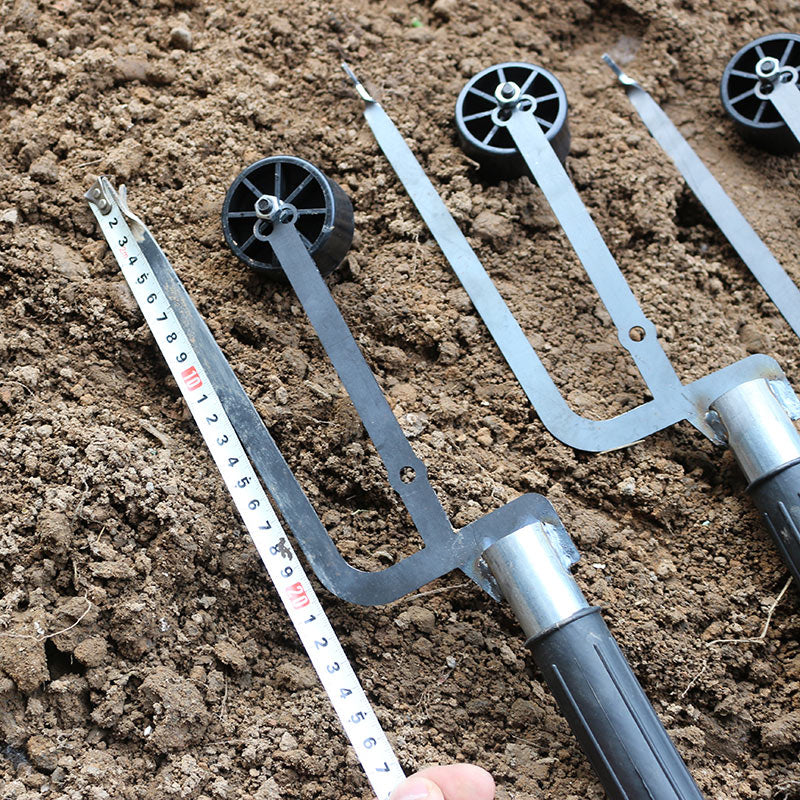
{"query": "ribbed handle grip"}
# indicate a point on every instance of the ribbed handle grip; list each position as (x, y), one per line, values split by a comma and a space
(777, 497)
(609, 713)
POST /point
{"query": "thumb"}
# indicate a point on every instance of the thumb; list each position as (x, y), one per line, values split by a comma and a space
(417, 788)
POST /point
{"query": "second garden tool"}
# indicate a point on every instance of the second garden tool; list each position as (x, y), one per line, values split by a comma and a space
(507, 116)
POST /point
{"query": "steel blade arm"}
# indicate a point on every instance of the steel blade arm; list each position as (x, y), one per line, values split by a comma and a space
(786, 99)
(339, 577)
(603, 271)
(359, 380)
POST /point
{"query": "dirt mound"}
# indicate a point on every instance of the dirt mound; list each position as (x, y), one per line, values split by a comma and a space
(143, 652)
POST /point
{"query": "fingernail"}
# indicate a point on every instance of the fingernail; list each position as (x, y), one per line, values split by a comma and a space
(415, 789)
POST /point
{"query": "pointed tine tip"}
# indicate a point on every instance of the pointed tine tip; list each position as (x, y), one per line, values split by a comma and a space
(612, 64)
(624, 79)
(363, 93)
(349, 72)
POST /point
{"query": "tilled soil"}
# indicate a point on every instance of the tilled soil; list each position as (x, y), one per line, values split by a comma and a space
(143, 651)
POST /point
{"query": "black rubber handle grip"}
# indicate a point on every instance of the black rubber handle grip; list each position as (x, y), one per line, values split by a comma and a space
(776, 497)
(609, 713)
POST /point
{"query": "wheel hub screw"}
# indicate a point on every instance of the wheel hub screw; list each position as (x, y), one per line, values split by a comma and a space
(507, 93)
(263, 205)
(767, 67)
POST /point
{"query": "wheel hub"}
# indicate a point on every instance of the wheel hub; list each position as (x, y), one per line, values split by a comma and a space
(485, 105)
(286, 189)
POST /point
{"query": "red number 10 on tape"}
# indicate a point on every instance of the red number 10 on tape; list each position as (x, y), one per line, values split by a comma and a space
(297, 596)
(191, 378)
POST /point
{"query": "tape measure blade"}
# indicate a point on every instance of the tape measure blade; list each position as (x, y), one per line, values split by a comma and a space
(335, 672)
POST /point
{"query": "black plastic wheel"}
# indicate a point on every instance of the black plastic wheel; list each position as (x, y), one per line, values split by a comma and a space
(490, 144)
(324, 213)
(745, 95)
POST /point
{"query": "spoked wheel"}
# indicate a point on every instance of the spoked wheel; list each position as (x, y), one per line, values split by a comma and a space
(323, 213)
(745, 92)
(478, 105)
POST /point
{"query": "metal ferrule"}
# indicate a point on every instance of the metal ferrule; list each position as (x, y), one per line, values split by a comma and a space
(534, 579)
(760, 432)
